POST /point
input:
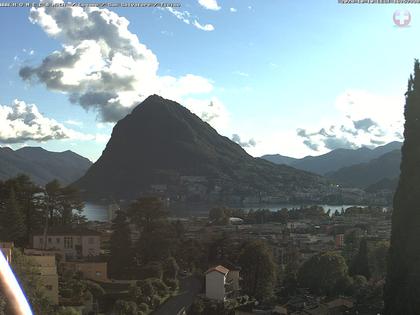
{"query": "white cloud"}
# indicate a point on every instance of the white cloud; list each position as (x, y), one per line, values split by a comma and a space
(187, 18)
(205, 27)
(365, 119)
(245, 144)
(209, 4)
(22, 122)
(233, 10)
(104, 67)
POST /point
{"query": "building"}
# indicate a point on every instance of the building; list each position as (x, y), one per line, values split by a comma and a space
(72, 243)
(6, 248)
(215, 283)
(221, 282)
(96, 271)
(49, 277)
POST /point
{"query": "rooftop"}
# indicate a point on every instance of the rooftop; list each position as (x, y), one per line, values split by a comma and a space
(218, 268)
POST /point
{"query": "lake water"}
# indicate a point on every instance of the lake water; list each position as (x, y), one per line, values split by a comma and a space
(99, 212)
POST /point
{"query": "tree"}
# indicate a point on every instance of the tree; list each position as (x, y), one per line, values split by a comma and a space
(402, 289)
(12, 220)
(60, 203)
(258, 270)
(157, 235)
(147, 213)
(121, 258)
(122, 307)
(360, 263)
(325, 273)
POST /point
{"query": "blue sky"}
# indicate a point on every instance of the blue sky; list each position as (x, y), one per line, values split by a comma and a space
(289, 77)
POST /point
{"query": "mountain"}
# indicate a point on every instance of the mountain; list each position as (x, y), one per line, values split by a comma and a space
(379, 173)
(42, 166)
(162, 146)
(337, 159)
(279, 159)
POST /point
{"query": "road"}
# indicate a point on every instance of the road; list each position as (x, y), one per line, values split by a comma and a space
(189, 288)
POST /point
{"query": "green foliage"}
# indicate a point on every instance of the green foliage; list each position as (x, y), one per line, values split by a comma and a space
(402, 288)
(60, 203)
(122, 256)
(153, 269)
(171, 268)
(324, 274)
(12, 220)
(67, 311)
(360, 263)
(258, 270)
(123, 307)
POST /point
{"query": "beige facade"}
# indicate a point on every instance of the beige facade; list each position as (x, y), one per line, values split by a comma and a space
(49, 276)
(72, 244)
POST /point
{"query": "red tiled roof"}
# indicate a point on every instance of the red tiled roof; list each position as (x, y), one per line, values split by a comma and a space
(219, 268)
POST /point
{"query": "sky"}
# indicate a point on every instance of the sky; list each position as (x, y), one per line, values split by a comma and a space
(290, 77)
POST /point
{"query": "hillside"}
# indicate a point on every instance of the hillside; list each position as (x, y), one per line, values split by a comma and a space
(377, 173)
(41, 165)
(334, 160)
(161, 146)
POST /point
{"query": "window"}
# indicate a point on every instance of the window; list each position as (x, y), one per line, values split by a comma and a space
(68, 242)
(49, 240)
(41, 241)
(57, 240)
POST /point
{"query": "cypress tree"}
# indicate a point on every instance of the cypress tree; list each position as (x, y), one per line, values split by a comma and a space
(121, 259)
(12, 220)
(360, 264)
(402, 289)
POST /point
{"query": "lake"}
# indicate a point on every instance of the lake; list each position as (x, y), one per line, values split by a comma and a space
(99, 212)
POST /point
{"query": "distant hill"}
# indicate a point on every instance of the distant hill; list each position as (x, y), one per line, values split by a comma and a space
(381, 172)
(41, 165)
(279, 159)
(336, 159)
(162, 146)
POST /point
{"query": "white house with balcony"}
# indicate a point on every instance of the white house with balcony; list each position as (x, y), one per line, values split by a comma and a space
(72, 243)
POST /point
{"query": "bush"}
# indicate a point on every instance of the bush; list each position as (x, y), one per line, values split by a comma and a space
(155, 301)
(143, 307)
(160, 287)
(151, 270)
(66, 293)
(172, 283)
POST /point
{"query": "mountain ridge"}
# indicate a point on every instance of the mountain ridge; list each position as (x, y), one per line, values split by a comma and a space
(41, 165)
(161, 143)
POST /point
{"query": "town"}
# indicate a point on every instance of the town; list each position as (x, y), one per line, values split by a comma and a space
(142, 260)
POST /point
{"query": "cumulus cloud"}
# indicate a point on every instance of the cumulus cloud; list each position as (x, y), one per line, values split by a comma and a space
(233, 10)
(365, 119)
(22, 122)
(209, 4)
(245, 144)
(187, 18)
(104, 67)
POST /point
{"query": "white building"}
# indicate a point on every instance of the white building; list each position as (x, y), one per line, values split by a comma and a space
(215, 283)
(221, 282)
(72, 243)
